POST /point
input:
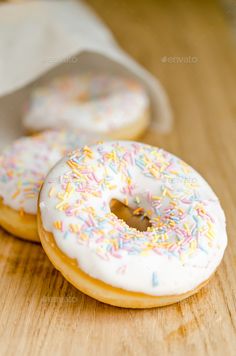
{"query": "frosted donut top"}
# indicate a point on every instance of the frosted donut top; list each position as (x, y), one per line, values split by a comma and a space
(25, 163)
(177, 253)
(92, 102)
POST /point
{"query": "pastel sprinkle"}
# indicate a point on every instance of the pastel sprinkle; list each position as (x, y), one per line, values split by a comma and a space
(154, 279)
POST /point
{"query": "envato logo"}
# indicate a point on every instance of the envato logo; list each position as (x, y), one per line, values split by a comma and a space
(181, 180)
(180, 60)
(68, 299)
(64, 60)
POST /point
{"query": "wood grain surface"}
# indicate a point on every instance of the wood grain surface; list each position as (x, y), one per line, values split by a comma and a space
(42, 314)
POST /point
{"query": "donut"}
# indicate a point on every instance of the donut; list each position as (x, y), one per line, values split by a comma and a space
(108, 105)
(23, 167)
(104, 257)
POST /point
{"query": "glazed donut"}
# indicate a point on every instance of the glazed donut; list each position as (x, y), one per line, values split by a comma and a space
(117, 264)
(23, 167)
(115, 107)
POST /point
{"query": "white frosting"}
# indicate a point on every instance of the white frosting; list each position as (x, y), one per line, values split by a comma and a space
(25, 163)
(92, 102)
(188, 236)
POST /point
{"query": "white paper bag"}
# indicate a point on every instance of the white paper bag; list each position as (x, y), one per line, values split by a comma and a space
(42, 39)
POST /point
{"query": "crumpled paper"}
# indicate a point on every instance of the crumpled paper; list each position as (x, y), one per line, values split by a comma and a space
(42, 39)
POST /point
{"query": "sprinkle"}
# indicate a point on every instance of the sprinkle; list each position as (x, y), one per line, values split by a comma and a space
(154, 279)
(51, 191)
(30, 196)
(122, 269)
(138, 211)
(15, 194)
(88, 152)
(58, 225)
(74, 228)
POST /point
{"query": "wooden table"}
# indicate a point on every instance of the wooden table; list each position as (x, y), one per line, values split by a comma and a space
(42, 314)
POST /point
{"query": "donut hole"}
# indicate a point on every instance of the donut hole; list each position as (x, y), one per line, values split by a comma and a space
(125, 213)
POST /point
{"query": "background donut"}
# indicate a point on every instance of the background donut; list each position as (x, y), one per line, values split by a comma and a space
(23, 167)
(108, 105)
